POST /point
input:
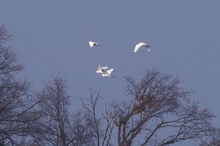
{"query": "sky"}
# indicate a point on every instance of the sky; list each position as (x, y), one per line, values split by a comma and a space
(51, 37)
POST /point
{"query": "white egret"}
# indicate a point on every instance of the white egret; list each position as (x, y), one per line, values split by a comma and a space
(141, 44)
(92, 44)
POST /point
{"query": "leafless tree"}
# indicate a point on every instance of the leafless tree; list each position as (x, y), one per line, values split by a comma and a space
(57, 125)
(159, 105)
(80, 129)
(99, 122)
(53, 103)
(4, 36)
(60, 127)
(15, 102)
(213, 140)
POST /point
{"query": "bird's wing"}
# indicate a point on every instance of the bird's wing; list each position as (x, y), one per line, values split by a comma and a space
(99, 71)
(105, 75)
(99, 66)
(91, 43)
(138, 46)
(110, 71)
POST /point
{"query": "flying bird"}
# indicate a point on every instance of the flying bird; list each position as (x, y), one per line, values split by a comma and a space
(92, 44)
(100, 69)
(141, 44)
(104, 71)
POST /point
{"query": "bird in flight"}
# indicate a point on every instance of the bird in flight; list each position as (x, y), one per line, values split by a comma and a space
(104, 71)
(92, 44)
(141, 44)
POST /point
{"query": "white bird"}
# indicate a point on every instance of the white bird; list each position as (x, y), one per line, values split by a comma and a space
(92, 44)
(141, 44)
(107, 73)
(100, 69)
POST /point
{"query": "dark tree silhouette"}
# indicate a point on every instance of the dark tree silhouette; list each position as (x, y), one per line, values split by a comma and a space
(15, 105)
(213, 140)
(99, 123)
(158, 105)
(58, 126)
(53, 105)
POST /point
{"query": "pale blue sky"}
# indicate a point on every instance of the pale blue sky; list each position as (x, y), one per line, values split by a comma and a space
(52, 36)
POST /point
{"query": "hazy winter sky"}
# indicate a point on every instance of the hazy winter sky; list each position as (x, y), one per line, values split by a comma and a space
(51, 37)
